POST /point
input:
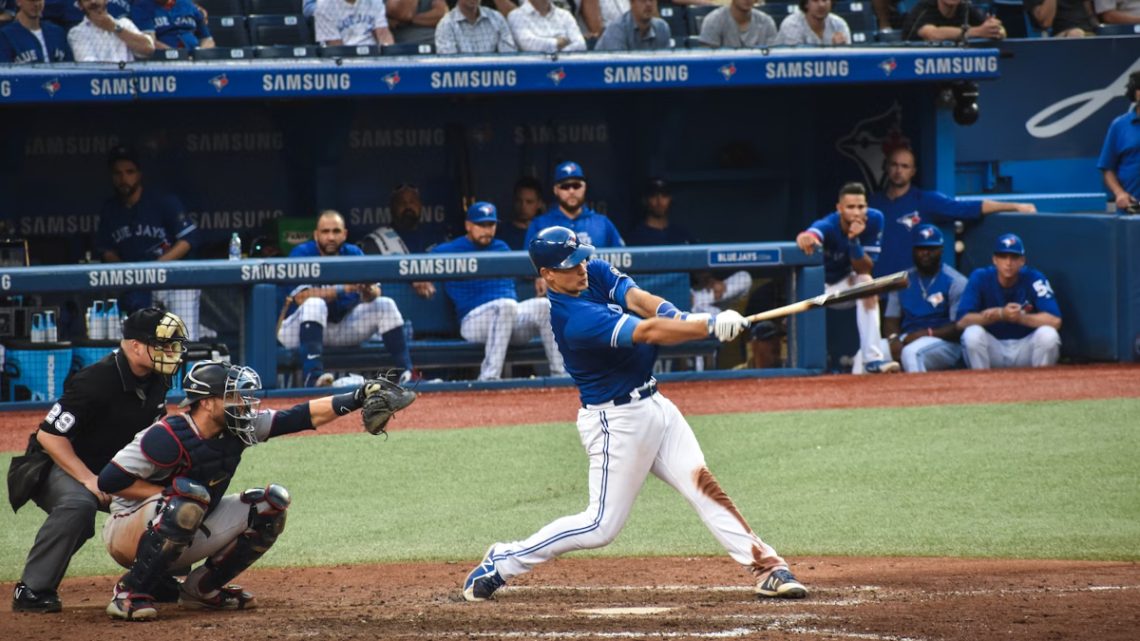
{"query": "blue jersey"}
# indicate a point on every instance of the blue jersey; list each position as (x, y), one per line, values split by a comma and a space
(928, 302)
(591, 227)
(598, 346)
(20, 46)
(903, 214)
(344, 301)
(644, 235)
(467, 294)
(1032, 291)
(1121, 151)
(514, 237)
(836, 249)
(147, 230)
(178, 24)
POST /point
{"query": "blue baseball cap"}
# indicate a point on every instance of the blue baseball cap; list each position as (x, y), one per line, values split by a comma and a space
(482, 212)
(1009, 244)
(928, 236)
(568, 170)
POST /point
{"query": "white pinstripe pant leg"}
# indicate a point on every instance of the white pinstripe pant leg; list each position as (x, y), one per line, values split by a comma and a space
(492, 324)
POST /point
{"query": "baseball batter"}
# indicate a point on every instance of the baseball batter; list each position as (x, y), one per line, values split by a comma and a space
(627, 428)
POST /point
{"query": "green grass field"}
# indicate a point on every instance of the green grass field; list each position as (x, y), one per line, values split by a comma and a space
(1045, 480)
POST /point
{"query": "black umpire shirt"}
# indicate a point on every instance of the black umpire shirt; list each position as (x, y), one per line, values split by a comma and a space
(103, 406)
(926, 12)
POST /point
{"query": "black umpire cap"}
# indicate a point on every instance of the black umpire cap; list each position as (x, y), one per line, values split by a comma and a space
(152, 325)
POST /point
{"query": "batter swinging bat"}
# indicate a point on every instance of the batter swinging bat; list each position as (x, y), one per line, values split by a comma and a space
(874, 287)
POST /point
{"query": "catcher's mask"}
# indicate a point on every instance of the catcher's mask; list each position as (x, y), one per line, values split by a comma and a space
(237, 387)
(164, 335)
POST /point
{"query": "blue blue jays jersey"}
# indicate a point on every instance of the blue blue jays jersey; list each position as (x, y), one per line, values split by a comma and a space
(644, 235)
(179, 24)
(591, 227)
(20, 46)
(1032, 291)
(903, 214)
(467, 294)
(928, 302)
(147, 230)
(344, 301)
(836, 249)
(598, 346)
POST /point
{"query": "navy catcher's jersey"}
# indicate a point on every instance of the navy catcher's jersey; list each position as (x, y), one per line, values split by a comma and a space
(344, 301)
(467, 294)
(836, 249)
(1032, 291)
(597, 346)
(903, 214)
(147, 230)
(591, 227)
(928, 302)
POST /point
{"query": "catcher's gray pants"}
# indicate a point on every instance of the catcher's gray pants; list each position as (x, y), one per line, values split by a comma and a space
(71, 521)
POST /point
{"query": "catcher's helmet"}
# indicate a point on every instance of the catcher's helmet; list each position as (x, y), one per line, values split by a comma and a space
(558, 248)
(162, 332)
(235, 385)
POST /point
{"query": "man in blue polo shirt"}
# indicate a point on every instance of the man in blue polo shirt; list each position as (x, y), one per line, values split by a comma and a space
(174, 24)
(488, 308)
(1120, 157)
(29, 38)
(1008, 313)
(905, 207)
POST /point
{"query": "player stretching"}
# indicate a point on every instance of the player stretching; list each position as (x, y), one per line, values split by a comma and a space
(627, 428)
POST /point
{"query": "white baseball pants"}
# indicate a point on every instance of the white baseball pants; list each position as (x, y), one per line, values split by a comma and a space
(866, 317)
(375, 317)
(735, 286)
(982, 350)
(926, 354)
(503, 322)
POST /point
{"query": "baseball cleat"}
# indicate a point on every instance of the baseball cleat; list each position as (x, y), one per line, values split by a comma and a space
(24, 599)
(482, 582)
(130, 606)
(781, 584)
(881, 367)
(230, 597)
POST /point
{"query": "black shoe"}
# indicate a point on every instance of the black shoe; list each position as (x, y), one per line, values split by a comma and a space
(24, 600)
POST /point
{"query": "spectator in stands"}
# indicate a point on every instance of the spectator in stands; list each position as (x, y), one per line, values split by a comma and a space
(814, 24)
(528, 204)
(28, 38)
(1008, 313)
(849, 238)
(1064, 18)
(1120, 155)
(488, 308)
(337, 315)
(540, 26)
(1117, 11)
(138, 225)
(738, 25)
(406, 235)
(888, 14)
(920, 320)
(102, 38)
(174, 24)
(905, 206)
(414, 21)
(472, 28)
(636, 29)
(352, 22)
(942, 20)
(597, 15)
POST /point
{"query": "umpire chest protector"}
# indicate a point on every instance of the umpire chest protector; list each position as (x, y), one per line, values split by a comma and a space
(211, 462)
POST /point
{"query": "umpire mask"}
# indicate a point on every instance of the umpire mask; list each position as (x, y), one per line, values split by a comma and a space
(164, 335)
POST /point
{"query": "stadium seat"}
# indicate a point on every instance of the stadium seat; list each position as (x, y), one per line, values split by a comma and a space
(696, 15)
(278, 30)
(694, 42)
(275, 7)
(224, 53)
(169, 55)
(229, 31)
(1012, 16)
(1118, 30)
(674, 16)
(858, 21)
(889, 35)
(858, 6)
(222, 8)
(286, 51)
(408, 49)
(861, 37)
(349, 51)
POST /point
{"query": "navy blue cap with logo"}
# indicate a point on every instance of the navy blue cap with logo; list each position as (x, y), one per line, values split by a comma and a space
(568, 170)
(1009, 244)
(928, 236)
(482, 212)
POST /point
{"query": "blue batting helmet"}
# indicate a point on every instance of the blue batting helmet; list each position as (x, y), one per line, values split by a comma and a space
(558, 248)
(928, 236)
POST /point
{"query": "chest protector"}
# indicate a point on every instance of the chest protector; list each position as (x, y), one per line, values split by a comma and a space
(211, 462)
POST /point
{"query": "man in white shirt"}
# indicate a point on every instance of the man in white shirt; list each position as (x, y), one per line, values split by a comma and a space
(352, 22)
(1117, 11)
(540, 26)
(814, 24)
(472, 28)
(101, 38)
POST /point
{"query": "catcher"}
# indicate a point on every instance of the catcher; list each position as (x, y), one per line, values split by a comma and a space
(170, 507)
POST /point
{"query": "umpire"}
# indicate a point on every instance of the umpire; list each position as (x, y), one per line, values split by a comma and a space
(102, 408)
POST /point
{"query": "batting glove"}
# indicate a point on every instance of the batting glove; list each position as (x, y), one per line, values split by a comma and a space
(728, 325)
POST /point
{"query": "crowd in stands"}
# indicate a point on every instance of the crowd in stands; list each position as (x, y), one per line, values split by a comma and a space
(125, 30)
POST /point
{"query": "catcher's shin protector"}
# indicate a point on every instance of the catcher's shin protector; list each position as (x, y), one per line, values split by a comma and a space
(164, 541)
(266, 521)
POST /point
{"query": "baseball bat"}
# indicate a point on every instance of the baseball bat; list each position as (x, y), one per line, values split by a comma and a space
(873, 287)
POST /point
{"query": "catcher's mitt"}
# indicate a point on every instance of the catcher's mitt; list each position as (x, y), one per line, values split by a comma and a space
(381, 399)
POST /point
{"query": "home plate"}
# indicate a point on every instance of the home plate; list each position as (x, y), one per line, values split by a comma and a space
(623, 611)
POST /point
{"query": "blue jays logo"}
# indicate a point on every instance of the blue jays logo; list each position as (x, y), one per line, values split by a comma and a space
(888, 66)
(935, 299)
(728, 71)
(912, 220)
(219, 82)
(871, 140)
(51, 87)
(557, 76)
(1008, 242)
(926, 233)
(392, 79)
(487, 210)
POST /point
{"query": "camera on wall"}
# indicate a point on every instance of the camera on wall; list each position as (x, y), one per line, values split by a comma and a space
(965, 102)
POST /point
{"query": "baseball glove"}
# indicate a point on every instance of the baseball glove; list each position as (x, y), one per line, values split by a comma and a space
(381, 400)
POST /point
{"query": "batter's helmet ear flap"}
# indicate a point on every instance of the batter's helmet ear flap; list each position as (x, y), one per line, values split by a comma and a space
(1133, 86)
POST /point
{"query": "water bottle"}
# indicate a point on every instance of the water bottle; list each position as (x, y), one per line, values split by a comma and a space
(235, 247)
(114, 320)
(97, 322)
(37, 333)
(51, 331)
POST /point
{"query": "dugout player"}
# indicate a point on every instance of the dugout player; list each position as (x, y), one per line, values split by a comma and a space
(341, 315)
(171, 509)
(1009, 316)
(488, 308)
(849, 238)
(627, 428)
(101, 409)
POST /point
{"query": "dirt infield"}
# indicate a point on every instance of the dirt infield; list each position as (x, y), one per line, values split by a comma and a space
(887, 599)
